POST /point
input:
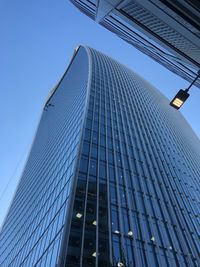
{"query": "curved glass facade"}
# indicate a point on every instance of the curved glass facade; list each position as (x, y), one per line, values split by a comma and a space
(112, 178)
(138, 177)
(32, 232)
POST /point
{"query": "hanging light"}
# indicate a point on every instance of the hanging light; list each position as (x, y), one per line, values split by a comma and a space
(182, 95)
(179, 99)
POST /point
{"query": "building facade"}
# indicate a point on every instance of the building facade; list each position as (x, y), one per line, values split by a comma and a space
(112, 178)
(166, 30)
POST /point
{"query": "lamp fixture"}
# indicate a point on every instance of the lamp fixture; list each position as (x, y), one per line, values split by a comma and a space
(152, 238)
(94, 222)
(79, 215)
(94, 254)
(182, 95)
(130, 233)
(179, 99)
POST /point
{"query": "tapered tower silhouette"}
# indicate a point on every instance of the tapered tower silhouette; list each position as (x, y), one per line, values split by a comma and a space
(112, 178)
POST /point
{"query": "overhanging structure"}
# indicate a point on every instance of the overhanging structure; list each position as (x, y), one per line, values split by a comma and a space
(167, 31)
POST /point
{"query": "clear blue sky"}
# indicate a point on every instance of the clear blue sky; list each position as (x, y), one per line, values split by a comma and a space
(37, 41)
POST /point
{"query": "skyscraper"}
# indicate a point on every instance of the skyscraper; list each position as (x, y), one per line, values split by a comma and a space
(112, 178)
(166, 30)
